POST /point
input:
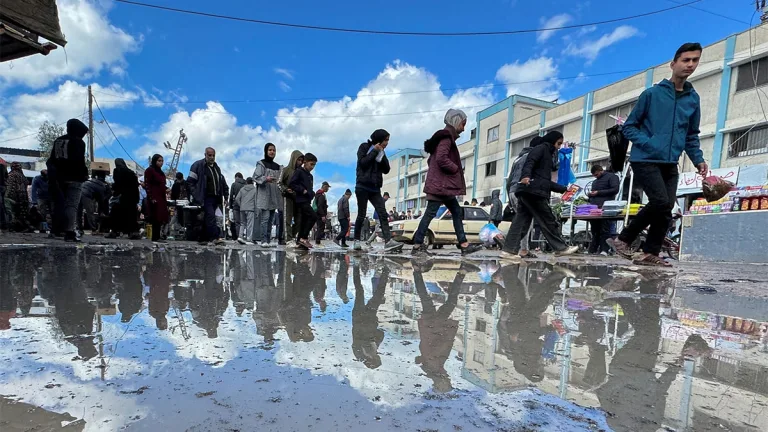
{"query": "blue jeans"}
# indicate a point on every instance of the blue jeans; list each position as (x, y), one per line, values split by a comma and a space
(265, 221)
(452, 204)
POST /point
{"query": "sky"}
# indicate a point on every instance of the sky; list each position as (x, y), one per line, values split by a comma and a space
(236, 85)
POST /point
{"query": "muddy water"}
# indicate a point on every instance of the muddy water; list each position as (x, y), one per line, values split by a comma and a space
(108, 340)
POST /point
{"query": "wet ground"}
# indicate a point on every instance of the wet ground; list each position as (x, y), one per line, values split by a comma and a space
(104, 339)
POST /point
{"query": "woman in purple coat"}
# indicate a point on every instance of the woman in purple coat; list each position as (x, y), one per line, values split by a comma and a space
(157, 204)
(445, 181)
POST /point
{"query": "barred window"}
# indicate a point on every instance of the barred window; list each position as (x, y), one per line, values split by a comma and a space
(749, 142)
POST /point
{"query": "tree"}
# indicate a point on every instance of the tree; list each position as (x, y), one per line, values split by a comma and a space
(46, 135)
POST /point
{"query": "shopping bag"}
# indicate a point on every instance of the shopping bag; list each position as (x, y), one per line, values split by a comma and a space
(714, 188)
(488, 233)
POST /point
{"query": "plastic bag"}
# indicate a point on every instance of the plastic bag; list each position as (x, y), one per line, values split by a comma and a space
(714, 188)
(488, 233)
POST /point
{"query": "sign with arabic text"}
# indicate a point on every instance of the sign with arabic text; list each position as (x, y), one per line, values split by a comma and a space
(690, 182)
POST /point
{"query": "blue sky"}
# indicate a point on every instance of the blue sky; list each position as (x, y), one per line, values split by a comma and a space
(155, 72)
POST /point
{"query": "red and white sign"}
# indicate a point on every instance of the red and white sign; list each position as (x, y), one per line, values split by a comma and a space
(690, 182)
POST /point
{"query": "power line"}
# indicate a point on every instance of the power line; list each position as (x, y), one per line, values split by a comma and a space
(398, 33)
(713, 13)
(114, 135)
(103, 144)
(32, 134)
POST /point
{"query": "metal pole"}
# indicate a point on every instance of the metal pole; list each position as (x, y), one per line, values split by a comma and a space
(90, 122)
(629, 196)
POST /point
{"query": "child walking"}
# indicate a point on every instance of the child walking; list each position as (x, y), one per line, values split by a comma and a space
(246, 202)
(302, 183)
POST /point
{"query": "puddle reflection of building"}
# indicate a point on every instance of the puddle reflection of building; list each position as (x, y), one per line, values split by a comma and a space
(21, 416)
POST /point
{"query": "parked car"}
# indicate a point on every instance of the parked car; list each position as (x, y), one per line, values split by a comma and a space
(441, 230)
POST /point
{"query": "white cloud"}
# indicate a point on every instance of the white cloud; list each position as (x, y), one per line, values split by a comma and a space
(284, 86)
(284, 72)
(23, 114)
(332, 130)
(553, 22)
(93, 45)
(591, 49)
(536, 78)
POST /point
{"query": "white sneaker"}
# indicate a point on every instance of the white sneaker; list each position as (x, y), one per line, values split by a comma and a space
(605, 254)
(264, 244)
(568, 251)
(357, 246)
(241, 240)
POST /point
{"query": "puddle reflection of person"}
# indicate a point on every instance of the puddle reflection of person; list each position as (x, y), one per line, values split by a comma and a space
(529, 290)
(366, 334)
(296, 309)
(210, 301)
(158, 279)
(634, 393)
(268, 297)
(73, 311)
(342, 278)
(437, 329)
(129, 288)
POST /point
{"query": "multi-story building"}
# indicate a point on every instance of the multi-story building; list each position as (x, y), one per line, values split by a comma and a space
(731, 80)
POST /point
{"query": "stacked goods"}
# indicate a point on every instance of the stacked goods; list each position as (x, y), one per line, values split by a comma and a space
(702, 206)
(750, 198)
(633, 209)
(613, 208)
(588, 210)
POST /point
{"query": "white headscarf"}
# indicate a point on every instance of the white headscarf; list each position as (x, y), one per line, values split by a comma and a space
(454, 117)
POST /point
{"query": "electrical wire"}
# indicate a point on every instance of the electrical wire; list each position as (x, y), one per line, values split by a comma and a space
(399, 33)
(114, 135)
(103, 143)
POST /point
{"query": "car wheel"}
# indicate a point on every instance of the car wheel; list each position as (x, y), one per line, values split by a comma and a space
(429, 239)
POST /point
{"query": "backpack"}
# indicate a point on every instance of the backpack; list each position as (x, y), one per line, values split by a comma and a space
(314, 204)
(515, 173)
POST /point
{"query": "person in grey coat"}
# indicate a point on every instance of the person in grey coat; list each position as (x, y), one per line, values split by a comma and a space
(497, 209)
(268, 196)
(246, 203)
(343, 214)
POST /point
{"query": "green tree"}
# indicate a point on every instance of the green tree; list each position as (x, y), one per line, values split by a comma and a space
(46, 135)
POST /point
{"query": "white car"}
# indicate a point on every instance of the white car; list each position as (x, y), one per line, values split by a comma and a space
(441, 230)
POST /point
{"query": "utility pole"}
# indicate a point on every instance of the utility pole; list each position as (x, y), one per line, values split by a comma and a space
(90, 122)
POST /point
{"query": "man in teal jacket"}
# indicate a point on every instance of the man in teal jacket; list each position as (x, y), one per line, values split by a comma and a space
(663, 124)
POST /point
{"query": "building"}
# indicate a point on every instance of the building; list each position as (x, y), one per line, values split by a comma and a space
(730, 80)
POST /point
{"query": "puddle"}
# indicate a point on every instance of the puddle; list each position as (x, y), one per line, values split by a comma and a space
(249, 340)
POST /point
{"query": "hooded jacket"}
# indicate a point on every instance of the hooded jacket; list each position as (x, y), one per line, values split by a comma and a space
(497, 210)
(663, 124)
(126, 184)
(179, 190)
(607, 186)
(445, 176)
(287, 173)
(246, 198)
(97, 190)
(370, 172)
(343, 207)
(17, 185)
(67, 160)
(236, 186)
(538, 168)
(321, 202)
(515, 173)
(302, 183)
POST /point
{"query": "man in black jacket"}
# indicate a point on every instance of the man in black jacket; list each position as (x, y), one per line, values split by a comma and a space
(343, 215)
(536, 186)
(66, 173)
(321, 204)
(604, 188)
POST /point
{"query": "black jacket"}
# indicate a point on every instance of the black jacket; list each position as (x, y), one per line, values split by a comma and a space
(67, 160)
(607, 186)
(369, 172)
(539, 167)
(321, 202)
(179, 190)
(236, 186)
(302, 182)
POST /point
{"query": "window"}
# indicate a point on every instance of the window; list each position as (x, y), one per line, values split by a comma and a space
(490, 169)
(749, 71)
(478, 356)
(475, 214)
(410, 204)
(602, 121)
(749, 142)
(464, 163)
(516, 146)
(423, 177)
(473, 134)
(480, 325)
(493, 134)
(402, 183)
(413, 180)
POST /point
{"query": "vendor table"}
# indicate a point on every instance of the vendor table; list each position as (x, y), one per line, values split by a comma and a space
(587, 219)
(737, 237)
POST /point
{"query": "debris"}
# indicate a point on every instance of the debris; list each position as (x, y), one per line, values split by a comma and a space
(138, 391)
(204, 394)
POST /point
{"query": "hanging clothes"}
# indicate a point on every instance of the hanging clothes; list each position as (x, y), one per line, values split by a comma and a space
(565, 176)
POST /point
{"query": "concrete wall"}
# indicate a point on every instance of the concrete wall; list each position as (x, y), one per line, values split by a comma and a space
(490, 152)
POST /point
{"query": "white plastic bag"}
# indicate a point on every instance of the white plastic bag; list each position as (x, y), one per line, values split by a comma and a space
(489, 233)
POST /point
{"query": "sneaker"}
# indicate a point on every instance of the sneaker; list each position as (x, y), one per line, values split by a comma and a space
(357, 246)
(305, 244)
(472, 248)
(241, 240)
(420, 250)
(509, 256)
(605, 254)
(264, 244)
(567, 251)
(344, 246)
(620, 247)
(392, 246)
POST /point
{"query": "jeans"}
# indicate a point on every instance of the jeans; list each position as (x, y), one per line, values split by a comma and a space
(246, 224)
(291, 219)
(66, 205)
(601, 231)
(280, 227)
(375, 198)
(533, 207)
(44, 207)
(659, 182)
(265, 222)
(237, 222)
(211, 230)
(452, 204)
(343, 228)
(308, 219)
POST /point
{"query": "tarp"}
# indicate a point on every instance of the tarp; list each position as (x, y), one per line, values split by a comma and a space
(37, 16)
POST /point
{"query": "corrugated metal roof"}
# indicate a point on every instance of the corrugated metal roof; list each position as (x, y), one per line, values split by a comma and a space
(38, 16)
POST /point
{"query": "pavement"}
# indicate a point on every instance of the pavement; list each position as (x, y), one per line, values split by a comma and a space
(128, 335)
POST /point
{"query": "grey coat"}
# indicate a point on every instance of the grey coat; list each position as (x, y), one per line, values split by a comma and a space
(246, 198)
(268, 196)
(343, 207)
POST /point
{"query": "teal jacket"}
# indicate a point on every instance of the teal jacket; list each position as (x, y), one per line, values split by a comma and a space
(663, 124)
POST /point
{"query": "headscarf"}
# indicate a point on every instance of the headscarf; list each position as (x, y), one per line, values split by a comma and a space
(535, 141)
(454, 117)
(154, 163)
(15, 166)
(269, 162)
(378, 136)
(291, 167)
(125, 180)
(552, 137)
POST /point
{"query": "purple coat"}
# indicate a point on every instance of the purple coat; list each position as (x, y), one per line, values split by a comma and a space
(445, 176)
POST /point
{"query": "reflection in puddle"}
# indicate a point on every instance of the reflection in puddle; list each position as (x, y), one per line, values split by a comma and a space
(243, 340)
